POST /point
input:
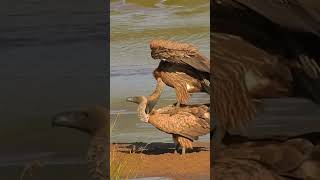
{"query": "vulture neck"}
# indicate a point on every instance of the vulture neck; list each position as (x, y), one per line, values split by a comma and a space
(98, 156)
(154, 97)
(143, 116)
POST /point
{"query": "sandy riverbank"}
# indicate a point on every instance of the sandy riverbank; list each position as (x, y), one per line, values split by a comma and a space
(158, 160)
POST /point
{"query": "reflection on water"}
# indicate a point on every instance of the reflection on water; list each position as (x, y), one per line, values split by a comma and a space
(134, 24)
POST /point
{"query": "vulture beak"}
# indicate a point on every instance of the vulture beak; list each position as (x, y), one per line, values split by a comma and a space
(62, 119)
(70, 120)
(133, 99)
(58, 120)
(130, 99)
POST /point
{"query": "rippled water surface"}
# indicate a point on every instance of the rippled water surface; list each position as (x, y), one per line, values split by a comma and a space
(53, 58)
(133, 25)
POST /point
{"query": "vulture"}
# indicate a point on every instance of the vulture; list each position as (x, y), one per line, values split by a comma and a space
(261, 49)
(185, 124)
(92, 121)
(181, 67)
(275, 158)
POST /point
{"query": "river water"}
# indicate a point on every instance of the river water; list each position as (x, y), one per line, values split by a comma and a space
(133, 25)
(53, 58)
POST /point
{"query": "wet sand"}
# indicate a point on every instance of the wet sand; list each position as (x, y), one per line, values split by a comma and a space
(158, 160)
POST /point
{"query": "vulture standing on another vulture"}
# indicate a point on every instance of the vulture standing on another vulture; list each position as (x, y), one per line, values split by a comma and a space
(261, 49)
(181, 67)
(185, 124)
(94, 122)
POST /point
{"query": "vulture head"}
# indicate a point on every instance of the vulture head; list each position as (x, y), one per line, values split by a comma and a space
(142, 102)
(92, 120)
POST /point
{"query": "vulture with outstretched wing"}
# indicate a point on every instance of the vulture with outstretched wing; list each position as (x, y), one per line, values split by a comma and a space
(181, 67)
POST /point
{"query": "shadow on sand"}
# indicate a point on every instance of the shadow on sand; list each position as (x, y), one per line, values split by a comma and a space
(154, 148)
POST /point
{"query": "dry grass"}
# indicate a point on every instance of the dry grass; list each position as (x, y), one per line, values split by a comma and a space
(119, 162)
(119, 165)
(119, 168)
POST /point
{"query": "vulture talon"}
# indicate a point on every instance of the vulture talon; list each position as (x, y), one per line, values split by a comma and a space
(183, 151)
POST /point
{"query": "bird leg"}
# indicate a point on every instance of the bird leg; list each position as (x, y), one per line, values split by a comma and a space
(183, 151)
(218, 136)
(206, 84)
(178, 104)
(175, 109)
(176, 148)
(154, 97)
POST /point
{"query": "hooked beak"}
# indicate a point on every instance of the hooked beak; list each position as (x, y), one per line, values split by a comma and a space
(130, 99)
(60, 119)
(69, 120)
(133, 99)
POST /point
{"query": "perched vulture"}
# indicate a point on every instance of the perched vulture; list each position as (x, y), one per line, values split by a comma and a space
(185, 123)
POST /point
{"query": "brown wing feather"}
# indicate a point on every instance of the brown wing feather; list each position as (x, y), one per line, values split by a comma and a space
(190, 126)
(242, 74)
(183, 122)
(300, 15)
(179, 53)
(184, 142)
(198, 62)
(175, 81)
(232, 103)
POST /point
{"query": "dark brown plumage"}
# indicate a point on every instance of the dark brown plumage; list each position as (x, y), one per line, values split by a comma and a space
(242, 75)
(295, 15)
(261, 53)
(271, 158)
(94, 122)
(182, 67)
(185, 123)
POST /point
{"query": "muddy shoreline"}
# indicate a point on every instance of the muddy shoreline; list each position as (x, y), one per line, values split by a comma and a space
(158, 160)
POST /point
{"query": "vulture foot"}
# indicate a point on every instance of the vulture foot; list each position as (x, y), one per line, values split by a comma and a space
(183, 151)
(176, 148)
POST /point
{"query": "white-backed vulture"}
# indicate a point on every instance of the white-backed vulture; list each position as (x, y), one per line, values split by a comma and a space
(186, 123)
(181, 67)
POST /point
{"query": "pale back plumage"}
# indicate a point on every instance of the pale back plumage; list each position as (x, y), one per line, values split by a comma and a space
(189, 121)
(185, 123)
